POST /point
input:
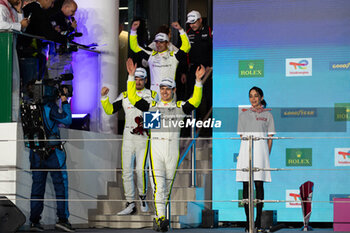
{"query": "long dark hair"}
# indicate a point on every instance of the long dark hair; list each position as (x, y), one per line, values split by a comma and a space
(261, 93)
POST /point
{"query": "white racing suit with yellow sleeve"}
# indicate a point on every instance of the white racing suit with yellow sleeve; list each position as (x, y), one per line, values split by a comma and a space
(135, 141)
(164, 142)
(162, 64)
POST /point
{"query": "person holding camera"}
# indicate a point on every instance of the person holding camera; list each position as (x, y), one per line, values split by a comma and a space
(31, 49)
(39, 21)
(53, 157)
(60, 56)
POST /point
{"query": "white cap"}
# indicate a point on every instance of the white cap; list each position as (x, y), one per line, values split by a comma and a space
(168, 82)
(141, 73)
(193, 16)
(161, 37)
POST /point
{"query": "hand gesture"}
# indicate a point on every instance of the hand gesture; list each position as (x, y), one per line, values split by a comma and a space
(18, 6)
(176, 25)
(24, 23)
(104, 91)
(200, 73)
(74, 24)
(135, 25)
(131, 67)
(64, 94)
(57, 28)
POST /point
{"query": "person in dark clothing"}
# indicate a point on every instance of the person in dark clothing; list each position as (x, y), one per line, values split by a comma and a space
(63, 20)
(32, 49)
(39, 21)
(200, 36)
(201, 40)
(60, 58)
(55, 159)
(57, 5)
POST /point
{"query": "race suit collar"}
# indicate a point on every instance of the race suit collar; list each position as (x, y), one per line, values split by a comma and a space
(166, 102)
(164, 51)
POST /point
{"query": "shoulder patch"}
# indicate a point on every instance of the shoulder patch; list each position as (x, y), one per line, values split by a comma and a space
(154, 103)
(154, 52)
(125, 94)
(154, 94)
(178, 104)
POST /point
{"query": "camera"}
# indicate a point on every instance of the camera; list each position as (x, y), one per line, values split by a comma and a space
(45, 90)
(32, 113)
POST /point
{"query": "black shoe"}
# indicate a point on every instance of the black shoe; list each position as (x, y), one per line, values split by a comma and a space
(36, 227)
(156, 225)
(64, 226)
(163, 224)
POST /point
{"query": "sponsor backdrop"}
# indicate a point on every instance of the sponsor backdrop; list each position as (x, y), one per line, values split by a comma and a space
(298, 53)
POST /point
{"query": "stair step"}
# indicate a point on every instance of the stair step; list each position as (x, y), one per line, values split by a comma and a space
(130, 221)
(116, 221)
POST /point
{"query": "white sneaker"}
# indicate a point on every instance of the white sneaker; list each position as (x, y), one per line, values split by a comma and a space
(143, 203)
(130, 209)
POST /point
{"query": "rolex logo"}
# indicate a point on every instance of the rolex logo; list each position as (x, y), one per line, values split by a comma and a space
(251, 68)
(299, 157)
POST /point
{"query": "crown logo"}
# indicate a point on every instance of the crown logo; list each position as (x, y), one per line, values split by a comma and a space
(251, 66)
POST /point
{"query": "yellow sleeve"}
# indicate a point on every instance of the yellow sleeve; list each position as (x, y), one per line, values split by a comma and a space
(107, 106)
(134, 46)
(186, 46)
(196, 97)
(133, 97)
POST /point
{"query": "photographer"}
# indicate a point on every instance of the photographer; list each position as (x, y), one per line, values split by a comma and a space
(31, 50)
(53, 157)
(60, 56)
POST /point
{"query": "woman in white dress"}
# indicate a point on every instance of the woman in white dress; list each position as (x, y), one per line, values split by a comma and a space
(256, 121)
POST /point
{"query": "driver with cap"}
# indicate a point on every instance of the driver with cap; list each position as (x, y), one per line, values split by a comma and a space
(162, 62)
(135, 141)
(164, 141)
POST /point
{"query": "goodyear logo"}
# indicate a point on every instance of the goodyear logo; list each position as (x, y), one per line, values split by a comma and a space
(340, 66)
(342, 112)
(299, 157)
(251, 68)
(298, 112)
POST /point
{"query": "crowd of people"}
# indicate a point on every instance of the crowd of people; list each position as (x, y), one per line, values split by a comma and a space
(54, 21)
(176, 87)
(164, 61)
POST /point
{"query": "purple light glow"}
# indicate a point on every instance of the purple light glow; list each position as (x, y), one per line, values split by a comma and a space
(86, 81)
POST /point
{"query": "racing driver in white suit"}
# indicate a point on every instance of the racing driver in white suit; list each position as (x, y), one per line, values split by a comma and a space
(164, 142)
(162, 63)
(135, 141)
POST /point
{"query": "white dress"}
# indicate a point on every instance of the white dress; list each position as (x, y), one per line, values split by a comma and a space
(259, 125)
